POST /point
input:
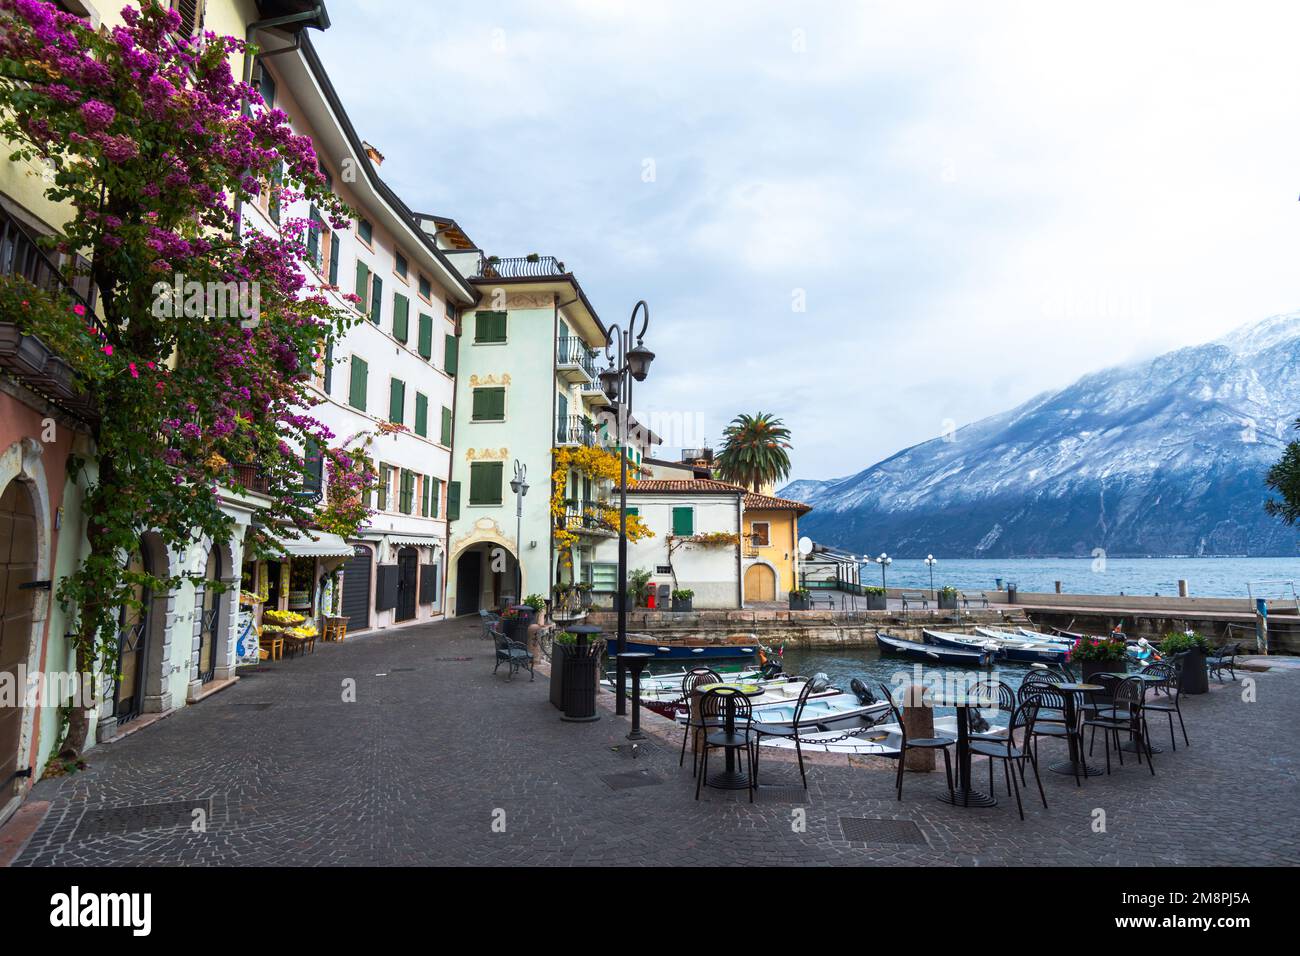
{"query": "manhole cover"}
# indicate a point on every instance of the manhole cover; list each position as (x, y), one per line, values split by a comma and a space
(114, 820)
(639, 750)
(627, 781)
(770, 794)
(868, 830)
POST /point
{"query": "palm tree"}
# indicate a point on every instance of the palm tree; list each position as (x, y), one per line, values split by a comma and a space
(754, 451)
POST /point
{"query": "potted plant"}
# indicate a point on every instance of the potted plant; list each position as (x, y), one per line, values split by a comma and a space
(948, 599)
(1099, 655)
(1188, 650)
(515, 621)
(800, 599)
(639, 587)
(876, 599)
(538, 604)
(682, 599)
(575, 673)
(584, 593)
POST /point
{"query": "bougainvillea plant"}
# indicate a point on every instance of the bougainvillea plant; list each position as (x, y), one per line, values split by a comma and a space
(155, 149)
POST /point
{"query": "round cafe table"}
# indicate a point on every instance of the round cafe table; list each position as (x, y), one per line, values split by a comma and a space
(1075, 765)
(964, 795)
(1148, 680)
(731, 778)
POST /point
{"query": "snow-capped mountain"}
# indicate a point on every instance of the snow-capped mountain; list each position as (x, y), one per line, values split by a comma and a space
(1161, 457)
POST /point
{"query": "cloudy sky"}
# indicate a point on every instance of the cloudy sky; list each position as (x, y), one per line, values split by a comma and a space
(876, 220)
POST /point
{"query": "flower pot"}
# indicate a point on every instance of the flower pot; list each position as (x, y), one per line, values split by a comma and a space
(877, 602)
(947, 602)
(1090, 669)
(1193, 678)
(798, 603)
(575, 676)
(682, 604)
(516, 626)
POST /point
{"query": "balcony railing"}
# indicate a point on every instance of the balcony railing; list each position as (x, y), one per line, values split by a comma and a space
(572, 353)
(575, 430)
(520, 267)
(586, 517)
(20, 255)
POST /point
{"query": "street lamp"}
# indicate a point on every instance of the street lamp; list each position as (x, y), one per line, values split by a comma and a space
(930, 562)
(885, 561)
(627, 362)
(519, 485)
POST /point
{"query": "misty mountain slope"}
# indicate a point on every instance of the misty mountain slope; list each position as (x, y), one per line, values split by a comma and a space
(1166, 456)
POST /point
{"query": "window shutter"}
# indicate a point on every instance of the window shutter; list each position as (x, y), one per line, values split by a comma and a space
(489, 404)
(422, 415)
(435, 493)
(384, 471)
(406, 503)
(452, 361)
(273, 202)
(446, 427)
(485, 482)
(363, 286)
(313, 238)
(376, 299)
(265, 82)
(490, 327)
(329, 368)
(396, 401)
(314, 466)
(334, 258)
(424, 496)
(428, 584)
(426, 336)
(634, 511)
(453, 501)
(683, 521)
(401, 316)
(358, 382)
(386, 587)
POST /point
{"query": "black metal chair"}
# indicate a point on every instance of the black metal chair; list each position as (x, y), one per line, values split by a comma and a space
(920, 743)
(1223, 658)
(713, 710)
(1051, 702)
(1166, 698)
(762, 730)
(695, 677)
(1124, 714)
(991, 691)
(489, 622)
(1007, 750)
(512, 653)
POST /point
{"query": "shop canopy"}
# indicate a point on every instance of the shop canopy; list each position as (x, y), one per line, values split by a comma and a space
(321, 544)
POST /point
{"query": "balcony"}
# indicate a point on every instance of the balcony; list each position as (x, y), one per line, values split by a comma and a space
(593, 396)
(575, 430)
(586, 517)
(519, 267)
(574, 362)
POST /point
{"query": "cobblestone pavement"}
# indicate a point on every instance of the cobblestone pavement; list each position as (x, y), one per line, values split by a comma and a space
(436, 748)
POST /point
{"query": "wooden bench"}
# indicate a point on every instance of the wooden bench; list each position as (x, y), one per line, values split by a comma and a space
(915, 597)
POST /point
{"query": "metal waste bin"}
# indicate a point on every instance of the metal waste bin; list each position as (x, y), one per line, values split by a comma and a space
(1011, 593)
(579, 668)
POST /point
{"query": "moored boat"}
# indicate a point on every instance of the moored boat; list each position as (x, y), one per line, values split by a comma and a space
(933, 654)
(1016, 647)
(683, 652)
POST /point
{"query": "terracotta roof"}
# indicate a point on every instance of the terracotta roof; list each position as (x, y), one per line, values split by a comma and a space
(756, 502)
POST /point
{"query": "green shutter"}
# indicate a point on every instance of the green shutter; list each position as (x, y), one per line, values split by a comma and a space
(401, 317)
(383, 487)
(422, 415)
(424, 497)
(490, 327)
(452, 360)
(434, 495)
(376, 299)
(446, 427)
(334, 258)
(489, 405)
(634, 511)
(396, 400)
(313, 237)
(453, 501)
(363, 286)
(683, 522)
(485, 482)
(357, 383)
(426, 336)
(406, 504)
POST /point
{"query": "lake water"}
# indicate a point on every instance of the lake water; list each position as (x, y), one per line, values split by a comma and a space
(1206, 577)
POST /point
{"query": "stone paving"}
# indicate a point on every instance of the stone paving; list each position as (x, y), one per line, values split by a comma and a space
(436, 749)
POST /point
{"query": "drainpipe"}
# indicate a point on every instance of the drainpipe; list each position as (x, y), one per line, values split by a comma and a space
(740, 548)
(316, 13)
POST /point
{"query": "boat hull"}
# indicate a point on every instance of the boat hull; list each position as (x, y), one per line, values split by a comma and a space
(688, 652)
(932, 654)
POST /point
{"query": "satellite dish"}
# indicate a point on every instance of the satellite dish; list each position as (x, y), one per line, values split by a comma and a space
(805, 546)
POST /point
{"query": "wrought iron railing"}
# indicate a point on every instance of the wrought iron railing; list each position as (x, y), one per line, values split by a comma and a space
(21, 255)
(575, 430)
(519, 267)
(571, 350)
(585, 516)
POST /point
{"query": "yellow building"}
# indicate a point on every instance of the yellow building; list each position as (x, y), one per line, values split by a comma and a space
(771, 546)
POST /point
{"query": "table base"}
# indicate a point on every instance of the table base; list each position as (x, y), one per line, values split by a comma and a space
(729, 780)
(1067, 767)
(1131, 747)
(969, 798)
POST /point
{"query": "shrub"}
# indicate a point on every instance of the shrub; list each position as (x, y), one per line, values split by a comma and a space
(1106, 650)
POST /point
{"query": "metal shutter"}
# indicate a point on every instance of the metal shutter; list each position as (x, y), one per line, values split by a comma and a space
(356, 590)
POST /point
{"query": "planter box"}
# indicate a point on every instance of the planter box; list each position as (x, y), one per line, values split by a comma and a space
(947, 602)
(1090, 669)
(877, 602)
(682, 604)
(799, 603)
(574, 681)
(1193, 677)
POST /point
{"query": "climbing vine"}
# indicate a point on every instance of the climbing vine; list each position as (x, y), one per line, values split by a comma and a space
(598, 464)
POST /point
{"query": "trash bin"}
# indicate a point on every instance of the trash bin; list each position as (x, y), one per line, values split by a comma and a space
(650, 600)
(516, 624)
(577, 666)
(1011, 593)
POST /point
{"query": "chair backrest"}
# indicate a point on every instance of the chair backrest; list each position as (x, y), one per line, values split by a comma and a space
(1026, 712)
(1130, 693)
(1167, 674)
(807, 691)
(888, 695)
(714, 704)
(500, 640)
(696, 677)
(1048, 697)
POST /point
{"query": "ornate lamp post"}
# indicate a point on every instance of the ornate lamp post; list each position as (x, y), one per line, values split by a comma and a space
(519, 485)
(930, 562)
(885, 561)
(627, 363)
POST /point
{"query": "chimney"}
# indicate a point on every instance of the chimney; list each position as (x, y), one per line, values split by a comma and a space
(375, 155)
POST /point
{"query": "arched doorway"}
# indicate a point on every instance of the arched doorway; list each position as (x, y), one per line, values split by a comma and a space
(760, 583)
(469, 581)
(18, 557)
(133, 645)
(208, 601)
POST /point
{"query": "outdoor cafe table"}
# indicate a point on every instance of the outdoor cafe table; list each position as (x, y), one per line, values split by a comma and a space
(964, 795)
(1148, 680)
(1076, 765)
(731, 778)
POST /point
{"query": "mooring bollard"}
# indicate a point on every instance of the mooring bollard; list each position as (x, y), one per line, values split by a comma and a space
(636, 663)
(1182, 587)
(918, 718)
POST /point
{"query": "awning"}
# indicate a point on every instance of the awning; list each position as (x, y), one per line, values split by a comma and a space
(325, 545)
(415, 540)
